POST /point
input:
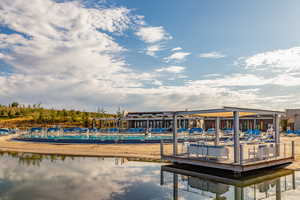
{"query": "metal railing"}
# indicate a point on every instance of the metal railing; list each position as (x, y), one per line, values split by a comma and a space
(249, 153)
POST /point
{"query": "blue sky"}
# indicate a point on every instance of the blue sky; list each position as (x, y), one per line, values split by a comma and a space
(150, 55)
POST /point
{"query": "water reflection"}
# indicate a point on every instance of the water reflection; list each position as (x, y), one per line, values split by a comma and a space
(29, 159)
(269, 184)
(33, 176)
(36, 176)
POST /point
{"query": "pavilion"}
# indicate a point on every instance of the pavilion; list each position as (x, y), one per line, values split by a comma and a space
(208, 155)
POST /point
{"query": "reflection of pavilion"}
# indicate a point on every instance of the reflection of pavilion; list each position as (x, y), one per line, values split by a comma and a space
(261, 185)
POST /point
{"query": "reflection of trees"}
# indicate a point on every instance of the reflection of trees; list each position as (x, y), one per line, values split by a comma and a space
(33, 159)
(30, 159)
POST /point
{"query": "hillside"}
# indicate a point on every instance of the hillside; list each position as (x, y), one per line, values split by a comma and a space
(15, 115)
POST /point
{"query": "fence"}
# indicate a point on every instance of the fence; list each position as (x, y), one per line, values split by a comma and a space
(249, 152)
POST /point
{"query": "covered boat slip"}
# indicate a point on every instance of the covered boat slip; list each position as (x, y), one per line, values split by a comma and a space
(235, 155)
(204, 182)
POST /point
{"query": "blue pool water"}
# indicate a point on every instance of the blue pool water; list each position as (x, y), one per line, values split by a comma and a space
(97, 137)
(103, 139)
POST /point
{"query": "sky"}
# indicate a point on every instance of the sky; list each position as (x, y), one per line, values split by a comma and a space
(150, 55)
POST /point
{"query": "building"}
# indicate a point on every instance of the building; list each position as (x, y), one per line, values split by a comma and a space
(293, 119)
(149, 120)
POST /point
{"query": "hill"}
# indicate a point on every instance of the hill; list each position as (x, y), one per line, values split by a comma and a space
(16, 115)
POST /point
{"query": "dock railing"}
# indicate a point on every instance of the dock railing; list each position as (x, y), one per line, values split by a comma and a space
(249, 152)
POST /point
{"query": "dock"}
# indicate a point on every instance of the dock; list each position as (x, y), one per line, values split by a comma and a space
(234, 155)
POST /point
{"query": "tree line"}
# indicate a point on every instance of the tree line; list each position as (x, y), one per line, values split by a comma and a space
(38, 115)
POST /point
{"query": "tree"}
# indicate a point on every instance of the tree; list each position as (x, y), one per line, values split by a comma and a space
(15, 104)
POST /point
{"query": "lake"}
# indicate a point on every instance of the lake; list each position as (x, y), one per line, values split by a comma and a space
(43, 177)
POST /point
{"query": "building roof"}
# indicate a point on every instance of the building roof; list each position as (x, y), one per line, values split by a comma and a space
(223, 112)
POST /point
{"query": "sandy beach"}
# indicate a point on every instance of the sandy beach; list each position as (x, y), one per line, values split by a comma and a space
(147, 152)
(138, 151)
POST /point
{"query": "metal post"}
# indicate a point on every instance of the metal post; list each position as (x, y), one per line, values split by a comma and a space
(238, 193)
(278, 189)
(254, 124)
(162, 177)
(277, 129)
(174, 134)
(293, 150)
(147, 125)
(179, 123)
(161, 148)
(294, 180)
(217, 131)
(236, 136)
(277, 136)
(175, 186)
(241, 154)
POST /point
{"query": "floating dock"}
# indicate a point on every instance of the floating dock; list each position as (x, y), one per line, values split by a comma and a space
(236, 156)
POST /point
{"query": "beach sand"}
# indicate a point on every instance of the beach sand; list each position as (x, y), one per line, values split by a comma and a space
(146, 152)
(139, 151)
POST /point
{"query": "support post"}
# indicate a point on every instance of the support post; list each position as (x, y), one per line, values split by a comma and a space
(294, 180)
(162, 178)
(175, 186)
(254, 124)
(161, 148)
(277, 136)
(238, 193)
(277, 129)
(147, 130)
(293, 150)
(278, 189)
(217, 131)
(174, 134)
(236, 137)
(241, 154)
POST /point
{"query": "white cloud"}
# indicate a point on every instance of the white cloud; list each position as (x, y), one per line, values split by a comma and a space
(177, 56)
(212, 55)
(152, 49)
(282, 60)
(171, 69)
(176, 49)
(69, 60)
(152, 34)
(66, 58)
(235, 80)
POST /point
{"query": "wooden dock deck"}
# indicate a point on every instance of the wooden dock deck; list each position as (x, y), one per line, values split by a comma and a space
(234, 167)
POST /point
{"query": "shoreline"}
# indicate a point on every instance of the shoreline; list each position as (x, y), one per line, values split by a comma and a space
(133, 152)
(146, 152)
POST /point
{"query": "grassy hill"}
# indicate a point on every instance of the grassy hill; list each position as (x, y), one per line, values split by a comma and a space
(16, 115)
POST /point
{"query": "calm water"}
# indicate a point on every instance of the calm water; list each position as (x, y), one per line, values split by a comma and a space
(27, 176)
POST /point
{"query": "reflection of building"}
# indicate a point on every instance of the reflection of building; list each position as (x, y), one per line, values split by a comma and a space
(293, 117)
(202, 184)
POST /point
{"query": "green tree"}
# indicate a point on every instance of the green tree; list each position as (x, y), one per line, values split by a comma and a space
(14, 104)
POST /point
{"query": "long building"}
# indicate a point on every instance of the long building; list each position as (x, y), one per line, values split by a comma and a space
(154, 120)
